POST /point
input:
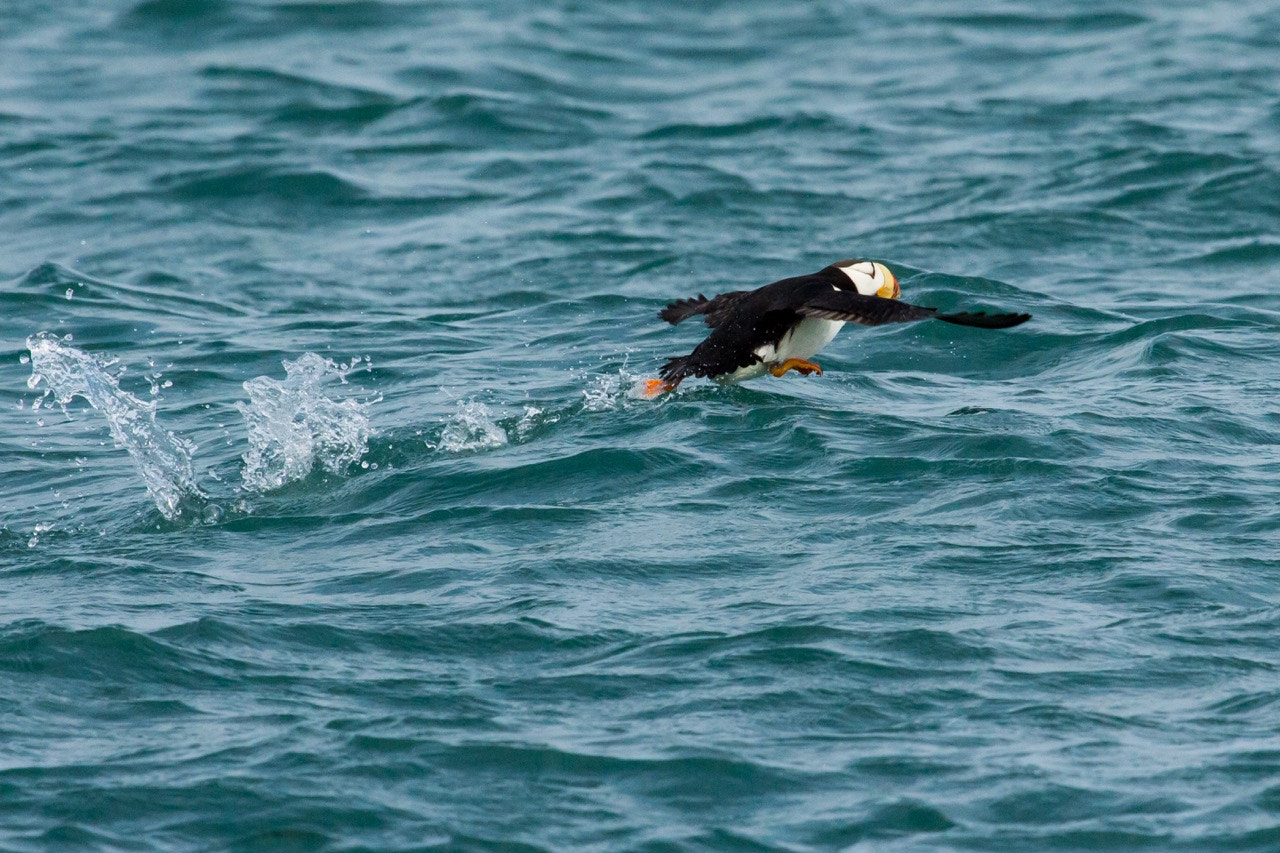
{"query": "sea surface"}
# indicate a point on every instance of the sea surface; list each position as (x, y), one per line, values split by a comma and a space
(330, 520)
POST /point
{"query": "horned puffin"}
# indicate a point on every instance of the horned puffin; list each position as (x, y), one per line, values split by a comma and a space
(779, 326)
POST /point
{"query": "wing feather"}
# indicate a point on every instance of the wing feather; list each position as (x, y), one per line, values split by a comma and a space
(851, 307)
(983, 320)
(714, 309)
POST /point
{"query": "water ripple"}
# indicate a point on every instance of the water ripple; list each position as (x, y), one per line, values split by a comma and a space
(965, 590)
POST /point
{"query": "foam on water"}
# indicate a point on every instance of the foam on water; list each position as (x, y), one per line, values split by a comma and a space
(162, 458)
(293, 424)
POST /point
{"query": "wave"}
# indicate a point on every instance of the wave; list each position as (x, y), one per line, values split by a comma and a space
(290, 98)
(796, 123)
(1039, 22)
(1261, 253)
(52, 289)
(309, 186)
(267, 193)
(233, 20)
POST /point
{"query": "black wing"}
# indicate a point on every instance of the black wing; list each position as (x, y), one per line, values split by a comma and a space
(983, 320)
(852, 307)
(714, 309)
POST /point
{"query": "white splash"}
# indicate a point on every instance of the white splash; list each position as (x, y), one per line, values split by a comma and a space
(163, 459)
(35, 534)
(471, 427)
(533, 419)
(293, 425)
(609, 391)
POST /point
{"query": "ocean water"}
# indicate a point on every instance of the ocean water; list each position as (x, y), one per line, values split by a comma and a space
(329, 520)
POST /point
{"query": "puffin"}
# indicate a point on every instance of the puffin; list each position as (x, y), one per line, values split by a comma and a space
(777, 328)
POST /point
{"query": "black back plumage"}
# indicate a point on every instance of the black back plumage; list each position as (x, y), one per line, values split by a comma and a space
(742, 321)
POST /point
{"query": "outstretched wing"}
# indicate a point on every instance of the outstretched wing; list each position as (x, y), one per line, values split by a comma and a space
(714, 309)
(851, 307)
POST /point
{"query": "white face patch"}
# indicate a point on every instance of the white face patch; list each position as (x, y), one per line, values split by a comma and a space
(865, 275)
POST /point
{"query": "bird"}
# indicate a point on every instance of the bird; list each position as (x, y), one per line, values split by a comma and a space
(777, 328)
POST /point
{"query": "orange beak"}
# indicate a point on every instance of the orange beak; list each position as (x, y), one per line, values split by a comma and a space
(890, 289)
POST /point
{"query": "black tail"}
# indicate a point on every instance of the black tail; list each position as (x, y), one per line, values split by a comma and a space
(983, 320)
(683, 309)
(677, 369)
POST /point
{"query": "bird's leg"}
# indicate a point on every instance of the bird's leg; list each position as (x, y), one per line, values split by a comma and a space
(797, 364)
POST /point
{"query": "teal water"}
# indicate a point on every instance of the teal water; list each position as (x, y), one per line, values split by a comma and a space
(327, 520)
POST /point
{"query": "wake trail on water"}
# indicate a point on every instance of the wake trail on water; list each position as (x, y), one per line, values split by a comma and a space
(292, 424)
(474, 426)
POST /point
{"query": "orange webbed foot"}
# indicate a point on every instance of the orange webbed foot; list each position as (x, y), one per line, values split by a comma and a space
(651, 388)
(797, 364)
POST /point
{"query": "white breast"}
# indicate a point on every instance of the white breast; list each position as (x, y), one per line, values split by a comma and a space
(808, 337)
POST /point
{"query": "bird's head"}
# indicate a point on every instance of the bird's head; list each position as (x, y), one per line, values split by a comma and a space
(870, 278)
